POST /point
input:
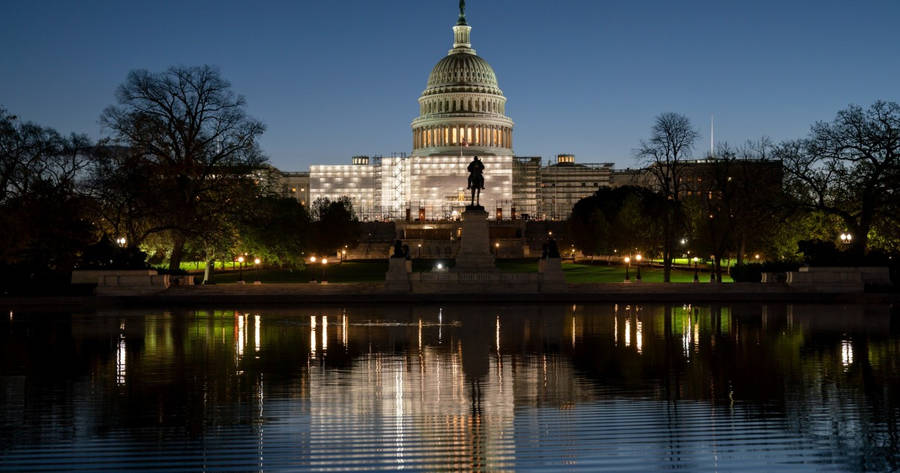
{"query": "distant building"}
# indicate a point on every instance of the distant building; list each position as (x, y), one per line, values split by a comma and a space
(697, 176)
(526, 187)
(631, 177)
(566, 182)
(296, 185)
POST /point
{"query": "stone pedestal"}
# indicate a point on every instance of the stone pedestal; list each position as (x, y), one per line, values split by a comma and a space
(552, 277)
(475, 248)
(397, 277)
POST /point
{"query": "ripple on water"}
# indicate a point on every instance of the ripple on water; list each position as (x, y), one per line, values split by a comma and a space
(497, 388)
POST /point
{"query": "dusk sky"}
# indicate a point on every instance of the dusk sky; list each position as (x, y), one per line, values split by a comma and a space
(333, 79)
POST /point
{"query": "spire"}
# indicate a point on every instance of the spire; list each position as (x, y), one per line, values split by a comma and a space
(462, 13)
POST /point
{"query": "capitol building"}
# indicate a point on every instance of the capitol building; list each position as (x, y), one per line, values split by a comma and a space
(462, 114)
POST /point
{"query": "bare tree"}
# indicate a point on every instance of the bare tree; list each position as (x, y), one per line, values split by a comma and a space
(191, 134)
(671, 141)
(849, 168)
(32, 154)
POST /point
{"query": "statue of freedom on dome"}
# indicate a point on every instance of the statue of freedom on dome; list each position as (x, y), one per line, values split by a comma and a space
(462, 13)
(476, 180)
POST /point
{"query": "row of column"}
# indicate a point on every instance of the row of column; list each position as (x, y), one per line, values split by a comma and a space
(477, 135)
(462, 105)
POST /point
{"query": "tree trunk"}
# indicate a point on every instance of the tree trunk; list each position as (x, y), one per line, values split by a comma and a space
(208, 272)
(718, 268)
(742, 247)
(667, 264)
(667, 249)
(177, 252)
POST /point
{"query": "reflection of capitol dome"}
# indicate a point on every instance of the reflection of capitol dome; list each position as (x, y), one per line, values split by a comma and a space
(462, 105)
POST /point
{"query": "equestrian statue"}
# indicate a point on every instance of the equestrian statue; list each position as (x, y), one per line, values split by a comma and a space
(476, 180)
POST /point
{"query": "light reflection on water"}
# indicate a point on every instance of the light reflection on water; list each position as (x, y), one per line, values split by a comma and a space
(494, 388)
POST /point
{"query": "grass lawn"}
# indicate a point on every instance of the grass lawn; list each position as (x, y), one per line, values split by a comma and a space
(374, 271)
(577, 273)
(194, 266)
(349, 271)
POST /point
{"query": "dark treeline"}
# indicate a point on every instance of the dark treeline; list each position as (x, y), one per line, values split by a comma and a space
(179, 176)
(830, 198)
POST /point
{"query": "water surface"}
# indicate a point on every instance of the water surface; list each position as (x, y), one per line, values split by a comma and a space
(605, 387)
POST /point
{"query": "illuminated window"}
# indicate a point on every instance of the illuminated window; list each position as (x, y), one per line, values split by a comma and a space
(454, 135)
(468, 134)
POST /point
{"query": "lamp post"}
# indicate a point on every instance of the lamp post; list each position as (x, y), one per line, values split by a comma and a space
(696, 275)
(256, 262)
(241, 270)
(846, 238)
(324, 267)
(638, 257)
(627, 265)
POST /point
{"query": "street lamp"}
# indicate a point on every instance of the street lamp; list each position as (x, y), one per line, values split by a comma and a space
(638, 257)
(256, 262)
(121, 241)
(241, 271)
(324, 266)
(846, 238)
(696, 275)
(627, 265)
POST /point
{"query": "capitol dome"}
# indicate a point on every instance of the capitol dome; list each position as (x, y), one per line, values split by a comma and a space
(462, 105)
(463, 70)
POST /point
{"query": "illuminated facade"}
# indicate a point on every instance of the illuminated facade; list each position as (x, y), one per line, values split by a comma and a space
(462, 113)
(358, 181)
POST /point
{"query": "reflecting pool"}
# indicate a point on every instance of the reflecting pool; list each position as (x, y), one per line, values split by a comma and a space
(600, 387)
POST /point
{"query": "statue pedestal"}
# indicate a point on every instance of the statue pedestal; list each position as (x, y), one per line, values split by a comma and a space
(552, 277)
(475, 248)
(397, 277)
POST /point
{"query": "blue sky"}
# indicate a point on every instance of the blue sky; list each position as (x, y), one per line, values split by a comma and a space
(332, 79)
